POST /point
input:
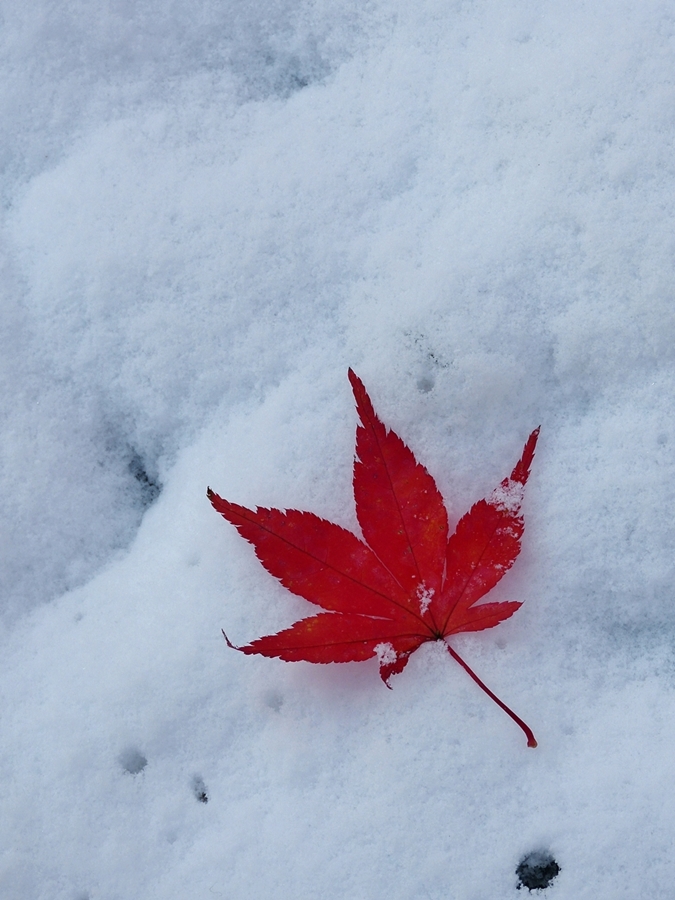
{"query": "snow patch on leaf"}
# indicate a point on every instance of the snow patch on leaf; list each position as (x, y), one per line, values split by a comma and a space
(508, 496)
(386, 655)
(425, 595)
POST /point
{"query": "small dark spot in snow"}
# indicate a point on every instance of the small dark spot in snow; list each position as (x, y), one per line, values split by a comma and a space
(537, 870)
(132, 760)
(199, 789)
(273, 700)
(150, 489)
(425, 384)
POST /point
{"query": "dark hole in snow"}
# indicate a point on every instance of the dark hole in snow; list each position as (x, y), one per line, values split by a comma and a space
(132, 761)
(425, 384)
(536, 870)
(149, 488)
(199, 789)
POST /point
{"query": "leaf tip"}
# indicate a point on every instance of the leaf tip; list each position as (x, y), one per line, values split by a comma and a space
(357, 385)
(214, 499)
(521, 471)
(229, 642)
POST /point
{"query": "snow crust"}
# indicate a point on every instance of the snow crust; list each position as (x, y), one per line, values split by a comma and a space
(209, 211)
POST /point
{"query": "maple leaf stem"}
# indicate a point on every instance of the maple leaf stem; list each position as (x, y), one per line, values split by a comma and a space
(531, 741)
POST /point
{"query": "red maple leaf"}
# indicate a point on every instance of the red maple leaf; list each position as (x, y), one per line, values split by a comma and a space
(406, 582)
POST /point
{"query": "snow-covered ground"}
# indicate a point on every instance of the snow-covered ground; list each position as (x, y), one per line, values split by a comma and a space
(209, 211)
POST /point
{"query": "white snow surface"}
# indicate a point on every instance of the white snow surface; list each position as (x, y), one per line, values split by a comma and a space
(209, 211)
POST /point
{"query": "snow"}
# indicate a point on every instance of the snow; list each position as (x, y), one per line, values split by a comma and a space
(508, 496)
(425, 596)
(211, 210)
(386, 655)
